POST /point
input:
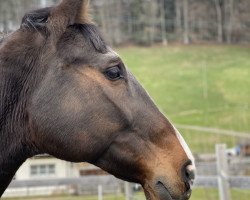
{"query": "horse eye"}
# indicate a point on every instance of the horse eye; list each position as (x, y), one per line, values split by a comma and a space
(114, 73)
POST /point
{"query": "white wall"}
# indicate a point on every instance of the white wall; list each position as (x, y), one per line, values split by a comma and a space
(62, 169)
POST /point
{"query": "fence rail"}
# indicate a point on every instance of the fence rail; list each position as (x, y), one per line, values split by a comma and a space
(88, 180)
(242, 182)
(219, 176)
(238, 134)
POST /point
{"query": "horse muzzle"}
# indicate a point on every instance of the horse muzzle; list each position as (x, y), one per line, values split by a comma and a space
(165, 194)
(162, 190)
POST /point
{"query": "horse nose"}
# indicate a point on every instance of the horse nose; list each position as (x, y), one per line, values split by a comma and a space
(189, 175)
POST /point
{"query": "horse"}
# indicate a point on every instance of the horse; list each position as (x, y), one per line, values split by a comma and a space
(65, 92)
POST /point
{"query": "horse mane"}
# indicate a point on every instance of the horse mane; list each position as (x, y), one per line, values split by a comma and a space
(92, 35)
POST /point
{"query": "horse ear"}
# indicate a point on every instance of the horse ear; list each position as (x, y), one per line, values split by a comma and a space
(68, 12)
(83, 16)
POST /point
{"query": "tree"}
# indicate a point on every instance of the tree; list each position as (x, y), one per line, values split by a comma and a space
(219, 20)
(178, 13)
(151, 21)
(229, 10)
(186, 22)
(163, 23)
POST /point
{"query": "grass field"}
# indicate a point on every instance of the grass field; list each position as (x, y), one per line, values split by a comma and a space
(197, 85)
(198, 194)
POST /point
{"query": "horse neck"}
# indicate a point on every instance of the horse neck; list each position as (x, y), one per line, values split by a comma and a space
(12, 151)
(11, 159)
(16, 83)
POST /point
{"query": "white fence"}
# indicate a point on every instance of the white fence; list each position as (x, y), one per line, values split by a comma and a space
(97, 186)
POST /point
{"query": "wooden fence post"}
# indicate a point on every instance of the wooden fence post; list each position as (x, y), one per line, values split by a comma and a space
(222, 171)
(128, 191)
(100, 192)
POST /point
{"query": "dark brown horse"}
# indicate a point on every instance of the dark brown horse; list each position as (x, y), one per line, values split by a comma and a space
(64, 92)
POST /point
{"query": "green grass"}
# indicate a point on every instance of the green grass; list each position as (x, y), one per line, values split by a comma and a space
(174, 76)
(198, 194)
(213, 194)
(197, 85)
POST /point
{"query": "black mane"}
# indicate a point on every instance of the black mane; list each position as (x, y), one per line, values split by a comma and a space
(93, 35)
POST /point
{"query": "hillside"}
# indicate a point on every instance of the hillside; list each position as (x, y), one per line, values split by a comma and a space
(206, 86)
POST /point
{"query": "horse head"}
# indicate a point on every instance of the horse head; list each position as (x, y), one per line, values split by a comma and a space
(83, 104)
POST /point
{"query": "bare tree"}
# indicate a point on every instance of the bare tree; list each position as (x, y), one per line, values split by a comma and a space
(230, 18)
(186, 22)
(153, 7)
(178, 12)
(163, 23)
(130, 18)
(219, 21)
(8, 15)
(117, 13)
(150, 21)
(102, 14)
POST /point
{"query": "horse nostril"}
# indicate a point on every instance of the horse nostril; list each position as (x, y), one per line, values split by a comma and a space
(189, 174)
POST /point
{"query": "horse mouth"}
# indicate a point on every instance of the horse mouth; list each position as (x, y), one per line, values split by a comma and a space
(158, 192)
(163, 191)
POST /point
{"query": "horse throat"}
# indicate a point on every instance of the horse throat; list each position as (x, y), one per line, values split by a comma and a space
(14, 148)
(15, 144)
(11, 158)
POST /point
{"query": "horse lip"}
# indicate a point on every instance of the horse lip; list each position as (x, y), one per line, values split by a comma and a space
(163, 191)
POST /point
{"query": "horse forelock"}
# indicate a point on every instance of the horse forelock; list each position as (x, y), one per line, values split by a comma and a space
(92, 34)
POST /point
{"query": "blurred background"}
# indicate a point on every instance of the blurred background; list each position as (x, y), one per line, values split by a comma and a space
(193, 57)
